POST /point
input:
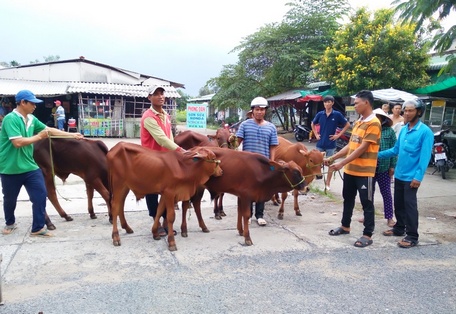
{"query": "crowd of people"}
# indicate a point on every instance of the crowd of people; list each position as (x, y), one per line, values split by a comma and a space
(382, 147)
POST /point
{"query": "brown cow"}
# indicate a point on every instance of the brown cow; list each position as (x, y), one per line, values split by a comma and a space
(172, 174)
(310, 162)
(252, 178)
(222, 138)
(84, 158)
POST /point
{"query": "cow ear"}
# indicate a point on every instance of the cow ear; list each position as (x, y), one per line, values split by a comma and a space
(304, 152)
(273, 165)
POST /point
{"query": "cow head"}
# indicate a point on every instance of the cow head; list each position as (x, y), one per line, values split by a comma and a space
(312, 166)
(291, 171)
(208, 156)
(224, 138)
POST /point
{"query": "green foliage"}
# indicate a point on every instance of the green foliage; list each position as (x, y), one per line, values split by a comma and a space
(374, 53)
(181, 116)
(421, 11)
(279, 56)
(182, 102)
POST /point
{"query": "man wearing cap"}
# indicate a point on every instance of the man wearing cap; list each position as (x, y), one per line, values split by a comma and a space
(19, 131)
(59, 115)
(258, 136)
(155, 133)
(328, 120)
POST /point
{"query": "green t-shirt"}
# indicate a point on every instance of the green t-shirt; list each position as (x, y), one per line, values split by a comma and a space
(18, 160)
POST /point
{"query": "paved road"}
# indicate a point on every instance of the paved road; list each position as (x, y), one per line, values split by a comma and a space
(293, 266)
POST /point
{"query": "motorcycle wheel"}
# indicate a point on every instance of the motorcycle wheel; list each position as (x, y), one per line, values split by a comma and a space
(299, 137)
(442, 170)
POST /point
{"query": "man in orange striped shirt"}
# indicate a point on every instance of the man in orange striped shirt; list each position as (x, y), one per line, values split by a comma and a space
(360, 160)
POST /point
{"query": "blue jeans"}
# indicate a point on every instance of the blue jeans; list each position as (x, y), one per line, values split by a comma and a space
(60, 124)
(329, 152)
(33, 182)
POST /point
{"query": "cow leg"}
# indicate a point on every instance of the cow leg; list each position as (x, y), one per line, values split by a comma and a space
(160, 209)
(196, 201)
(118, 201)
(296, 204)
(170, 218)
(282, 206)
(220, 201)
(100, 188)
(49, 223)
(243, 219)
(52, 196)
(89, 191)
(217, 214)
(185, 206)
(275, 199)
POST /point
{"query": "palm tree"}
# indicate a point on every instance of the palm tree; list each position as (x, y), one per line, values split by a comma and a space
(420, 11)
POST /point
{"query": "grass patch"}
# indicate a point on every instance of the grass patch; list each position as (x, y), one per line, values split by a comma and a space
(319, 191)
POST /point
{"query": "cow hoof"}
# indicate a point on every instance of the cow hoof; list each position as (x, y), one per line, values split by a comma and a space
(280, 216)
(51, 226)
(116, 242)
(157, 237)
(184, 234)
(275, 203)
(205, 230)
(68, 218)
(218, 217)
(223, 214)
(172, 248)
(248, 242)
(298, 213)
(93, 216)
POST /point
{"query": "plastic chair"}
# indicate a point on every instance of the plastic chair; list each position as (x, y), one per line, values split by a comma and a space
(72, 127)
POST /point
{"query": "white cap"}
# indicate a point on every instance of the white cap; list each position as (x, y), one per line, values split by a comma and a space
(153, 88)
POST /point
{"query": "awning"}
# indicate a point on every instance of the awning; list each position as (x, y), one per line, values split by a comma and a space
(437, 87)
(391, 94)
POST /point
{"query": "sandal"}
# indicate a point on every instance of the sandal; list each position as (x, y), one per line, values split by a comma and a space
(363, 242)
(9, 229)
(392, 232)
(42, 233)
(390, 222)
(338, 231)
(261, 222)
(406, 243)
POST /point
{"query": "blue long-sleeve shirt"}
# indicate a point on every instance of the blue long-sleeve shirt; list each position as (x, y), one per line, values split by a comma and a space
(413, 148)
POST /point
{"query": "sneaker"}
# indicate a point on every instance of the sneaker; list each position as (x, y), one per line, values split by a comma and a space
(261, 222)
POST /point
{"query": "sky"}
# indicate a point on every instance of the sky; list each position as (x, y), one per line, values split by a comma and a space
(183, 41)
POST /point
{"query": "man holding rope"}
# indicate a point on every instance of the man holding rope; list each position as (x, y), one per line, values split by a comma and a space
(20, 129)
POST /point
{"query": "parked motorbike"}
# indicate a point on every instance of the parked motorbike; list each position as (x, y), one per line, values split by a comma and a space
(342, 140)
(441, 153)
(301, 132)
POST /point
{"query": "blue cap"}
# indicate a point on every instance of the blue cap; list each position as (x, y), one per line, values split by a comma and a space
(27, 95)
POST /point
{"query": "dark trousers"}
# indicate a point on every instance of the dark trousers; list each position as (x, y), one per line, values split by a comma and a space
(259, 210)
(152, 205)
(33, 182)
(406, 209)
(365, 188)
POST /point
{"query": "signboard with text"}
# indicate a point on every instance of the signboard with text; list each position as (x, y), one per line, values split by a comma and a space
(196, 116)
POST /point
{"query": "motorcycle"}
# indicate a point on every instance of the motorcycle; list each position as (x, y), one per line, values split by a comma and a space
(301, 132)
(343, 140)
(441, 153)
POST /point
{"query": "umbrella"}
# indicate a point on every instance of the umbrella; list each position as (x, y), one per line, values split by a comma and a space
(391, 94)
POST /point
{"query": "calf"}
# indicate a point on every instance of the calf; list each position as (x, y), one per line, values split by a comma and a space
(84, 158)
(172, 174)
(252, 178)
(310, 162)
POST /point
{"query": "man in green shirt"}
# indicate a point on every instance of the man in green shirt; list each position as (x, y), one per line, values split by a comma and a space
(20, 129)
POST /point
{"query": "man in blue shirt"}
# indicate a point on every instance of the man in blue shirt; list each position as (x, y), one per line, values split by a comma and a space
(258, 136)
(413, 148)
(328, 120)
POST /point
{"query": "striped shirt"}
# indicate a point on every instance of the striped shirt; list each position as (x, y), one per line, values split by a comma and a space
(364, 130)
(258, 138)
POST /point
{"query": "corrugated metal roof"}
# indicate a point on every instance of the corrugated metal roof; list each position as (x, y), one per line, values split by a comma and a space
(11, 87)
(202, 98)
(290, 95)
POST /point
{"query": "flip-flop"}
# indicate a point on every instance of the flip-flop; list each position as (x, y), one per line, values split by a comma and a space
(42, 233)
(261, 222)
(338, 231)
(9, 229)
(363, 242)
(406, 243)
(392, 232)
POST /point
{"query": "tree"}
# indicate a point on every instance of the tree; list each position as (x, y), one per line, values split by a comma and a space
(279, 56)
(420, 11)
(373, 53)
(182, 102)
